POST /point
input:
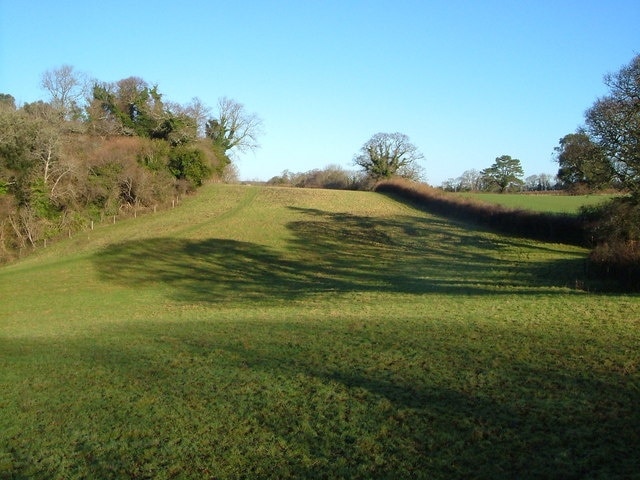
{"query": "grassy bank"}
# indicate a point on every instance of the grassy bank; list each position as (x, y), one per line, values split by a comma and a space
(289, 333)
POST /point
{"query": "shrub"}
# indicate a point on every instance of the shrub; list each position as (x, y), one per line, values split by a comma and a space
(615, 221)
(618, 262)
(614, 229)
(331, 177)
(189, 164)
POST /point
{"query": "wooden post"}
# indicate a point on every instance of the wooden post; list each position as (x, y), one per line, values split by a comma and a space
(114, 219)
(91, 224)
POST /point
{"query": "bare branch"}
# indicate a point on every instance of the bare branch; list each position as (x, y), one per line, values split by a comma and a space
(234, 128)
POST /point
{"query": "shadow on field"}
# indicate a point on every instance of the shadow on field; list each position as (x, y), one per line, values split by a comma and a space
(335, 252)
(317, 401)
(514, 420)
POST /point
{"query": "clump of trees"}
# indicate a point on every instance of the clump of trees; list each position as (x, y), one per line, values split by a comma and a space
(613, 124)
(609, 154)
(383, 156)
(542, 182)
(94, 149)
(605, 151)
(331, 177)
(469, 181)
(583, 164)
(504, 175)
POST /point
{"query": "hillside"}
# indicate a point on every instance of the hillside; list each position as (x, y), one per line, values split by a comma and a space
(279, 333)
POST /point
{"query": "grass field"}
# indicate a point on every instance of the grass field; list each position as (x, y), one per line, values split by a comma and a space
(539, 202)
(292, 333)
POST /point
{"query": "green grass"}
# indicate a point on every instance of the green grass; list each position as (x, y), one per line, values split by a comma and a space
(289, 333)
(551, 203)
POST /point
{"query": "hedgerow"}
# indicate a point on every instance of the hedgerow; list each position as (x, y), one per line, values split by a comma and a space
(610, 230)
(536, 225)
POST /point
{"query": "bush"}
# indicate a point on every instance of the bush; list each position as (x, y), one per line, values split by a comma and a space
(189, 164)
(614, 230)
(617, 262)
(615, 221)
(331, 177)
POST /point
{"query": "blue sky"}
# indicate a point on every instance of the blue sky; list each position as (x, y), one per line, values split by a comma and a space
(467, 81)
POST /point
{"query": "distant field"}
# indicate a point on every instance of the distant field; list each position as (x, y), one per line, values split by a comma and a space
(539, 202)
(292, 333)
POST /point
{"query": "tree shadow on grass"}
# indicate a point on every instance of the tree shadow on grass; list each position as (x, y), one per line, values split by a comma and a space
(559, 424)
(332, 252)
(352, 417)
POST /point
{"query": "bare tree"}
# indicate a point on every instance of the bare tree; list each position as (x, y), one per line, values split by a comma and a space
(199, 112)
(613, 123)
(234, 128)
(47, 137)
(470, 180)
(67, 89)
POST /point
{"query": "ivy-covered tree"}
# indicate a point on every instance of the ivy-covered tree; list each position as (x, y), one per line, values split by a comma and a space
(189, 164)
(234, 128)
(387, 154)
(130, 104)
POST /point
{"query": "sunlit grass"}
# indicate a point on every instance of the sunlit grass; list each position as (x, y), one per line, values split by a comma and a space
(551, 203)
(281, 333)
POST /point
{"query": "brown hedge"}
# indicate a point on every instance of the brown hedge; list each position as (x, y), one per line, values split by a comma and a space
(549, 227)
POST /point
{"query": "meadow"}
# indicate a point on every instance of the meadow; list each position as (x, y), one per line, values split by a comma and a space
(540, 202)
(259, 332)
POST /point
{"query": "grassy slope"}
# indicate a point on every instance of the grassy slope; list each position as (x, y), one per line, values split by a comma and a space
(290, 333)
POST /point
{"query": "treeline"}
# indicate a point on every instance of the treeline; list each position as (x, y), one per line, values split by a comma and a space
(604, 153)
(95, 149)
(479, 181)
(331, 177)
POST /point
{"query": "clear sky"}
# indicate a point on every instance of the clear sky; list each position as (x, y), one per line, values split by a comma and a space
(467, 81)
